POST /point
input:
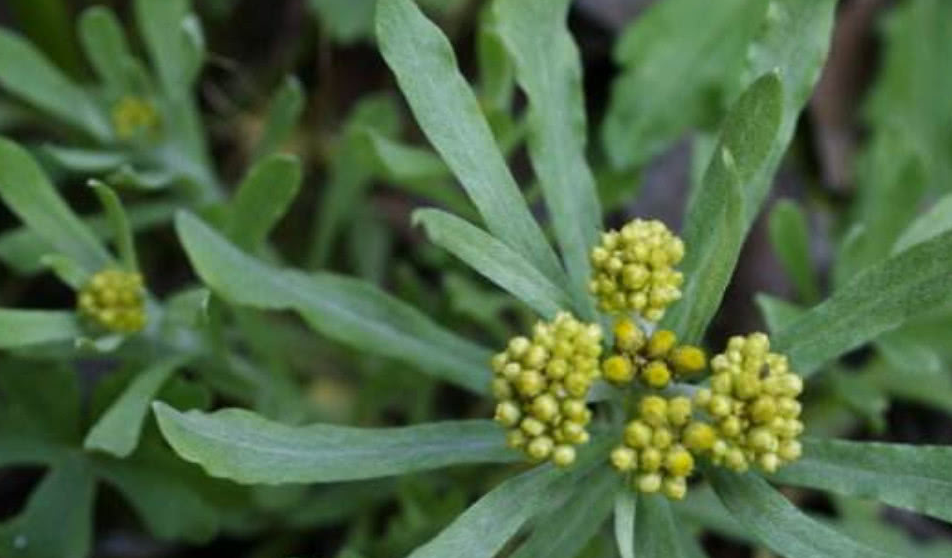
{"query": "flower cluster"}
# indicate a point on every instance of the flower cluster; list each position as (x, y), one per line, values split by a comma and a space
(655, 360)
(753, 399)
(659, 446)
(114, 300)
(634, 269)
(541, 386)
(132, 116)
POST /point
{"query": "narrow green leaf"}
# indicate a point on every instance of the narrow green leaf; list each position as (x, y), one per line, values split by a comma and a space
(422, 59)
(656, 534)
(549, 71)
(262, 199)
(161, 25)
(878, 299)
(703, 508)
(116, 215)
(247, 448)
(779, 524)
(117, 430)
(778, 313)
(66, 270)
(19, 328)
(494, 260)
(105, 44)
(866, 521)
(344, 309)
(790, 238)
(27, 191)
(283, 114)
(497, 82)
(625, 510)
(27, 74)
(86, 161)
(713, 232)
(916, 478)
(932, 223)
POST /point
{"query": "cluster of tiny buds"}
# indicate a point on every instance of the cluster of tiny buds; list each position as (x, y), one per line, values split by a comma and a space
(753, 399)
(541, 385)
(134, 116)
(114, 300)
(659, 446)
(633, 269)
(655, 360)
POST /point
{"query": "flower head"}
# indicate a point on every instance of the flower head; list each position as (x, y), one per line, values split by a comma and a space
(541, 384)
(655, 360)
(114, 300)
(633, 269)
(132, 116)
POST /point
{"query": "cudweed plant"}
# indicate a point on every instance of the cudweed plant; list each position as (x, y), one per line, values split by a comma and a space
(609, 406)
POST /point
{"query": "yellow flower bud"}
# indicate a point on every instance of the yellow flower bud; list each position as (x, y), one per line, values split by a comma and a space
(530, 383)
(661, 342)
(688, 359)
(638, 434)
(508, 413)
(532, 426)
(679, 411)
(661, 437)
(653, 410)
(617, 369)
(502, 389)
(574, 409)
(545, 407)
(516, 439)
(563, 455)
(675, 488)
(648, 483)
(764, 409)
(699, 436)
(679, 462)
(114, 300)
(656, 374)
(790, 450)
(540, 448)
(628, 336)
(624, 459)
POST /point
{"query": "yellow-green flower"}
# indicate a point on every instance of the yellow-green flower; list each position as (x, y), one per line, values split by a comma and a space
(633, 269)
(134, 116)
(541, 385)
(114, 300)
(655, 360)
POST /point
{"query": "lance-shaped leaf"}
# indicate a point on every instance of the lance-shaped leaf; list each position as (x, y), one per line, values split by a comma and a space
(422, 59)
(119, 221)
(247, 448)
(85, 161)
(105, 44)
(656, 533)
(625, 514)
(930, 224)
(779, 524)
(548, 70)
(790, 238)
(494, 260)
(163, 27)
(20, 328)
(917, 478)
(263, 198)
(344, 309)
(878, 299)
(283, 115)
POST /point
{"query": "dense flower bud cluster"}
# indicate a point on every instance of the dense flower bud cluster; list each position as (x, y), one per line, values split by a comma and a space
(659, 446)
(655, 360)
(753, 399)
(114, 300)
(541, 384)
(633, 269)
(132, 116)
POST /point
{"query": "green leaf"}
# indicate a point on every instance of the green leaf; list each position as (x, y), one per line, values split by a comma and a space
(713, 233)
(27, 191)
(625, 516)
(878, 299)
(916, 478)
(247, 448)
(779, 524)
(931, 224)
(494, 260)
(790, 237)
(778, 313)
(117, 431)
(422, 59)
(19, 328)
(58, 518)
(283, 114)
(27, 74)
(116, 215)
(549, 71)
(85, 161)
(679, 58)
(866, 521)
(262, 199)
(66, 270)
(345, 20)
(656, 534)
(346, 310)
(161, 25)
(105, 43)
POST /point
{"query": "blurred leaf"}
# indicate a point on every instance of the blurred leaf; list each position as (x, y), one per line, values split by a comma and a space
(935, 221)
(27, 74)
(117, 431)
(878, 299)
(655, 531)
(916, 478)
(346, 310)
(680, 60)
(129, 177)
(19, 328)
(263, 197)
(283, 115)
(244, 447)
(105, 44)
(66, 270)
(346, 21)
(494, 260)
(703, 508)
(778, 313)
(864, 520)
(423, 61)
(625, 510)
(779, 524)
(549, 71)
(161, 25)
(116, 215)
(497, 82)
(713, 233)
(26, 190)
(48, 24)
(39, 417)
(85, 161)
(857, 393)
(790, 238)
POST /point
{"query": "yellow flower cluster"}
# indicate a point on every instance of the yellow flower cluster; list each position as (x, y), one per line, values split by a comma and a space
(655, 360)
(659, 446)
(114, 300)
(541, 386)
(634, 269)
(753, 399)
(132, 116)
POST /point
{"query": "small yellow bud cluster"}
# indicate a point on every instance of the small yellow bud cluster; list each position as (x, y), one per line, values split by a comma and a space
(655, 360)
(114, 300)
(633, 269)
(132, 116)
(659, 446)
(541, 386)
(753, 399)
